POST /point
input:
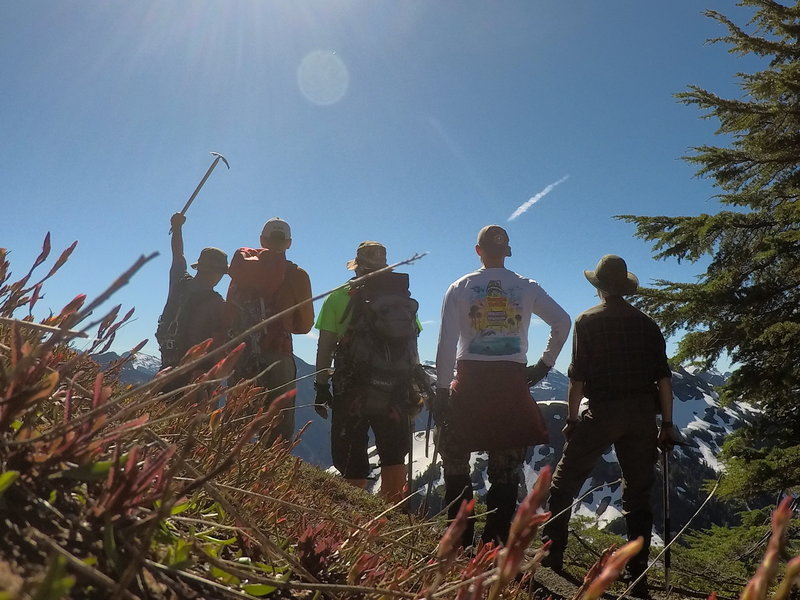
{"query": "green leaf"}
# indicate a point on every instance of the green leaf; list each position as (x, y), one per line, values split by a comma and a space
(224, 576)
(179, 508)
(179, 554)
(110, 544)
(258, 589)
(89, 472)
(55, 584)
(6, 479)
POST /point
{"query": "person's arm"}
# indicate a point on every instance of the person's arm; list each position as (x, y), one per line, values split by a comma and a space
(574, 397)
(549, 311)
(667, 435)
(326, 346)
(178, 266)
(303, 317)
(448, 342)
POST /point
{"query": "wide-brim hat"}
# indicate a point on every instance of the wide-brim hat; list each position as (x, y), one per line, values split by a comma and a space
(611, 275)
(212, 259)
(369, 255)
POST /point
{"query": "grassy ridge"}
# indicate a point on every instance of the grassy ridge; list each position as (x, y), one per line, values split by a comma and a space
(111, 491)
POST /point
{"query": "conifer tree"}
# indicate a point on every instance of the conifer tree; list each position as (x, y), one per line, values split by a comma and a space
(747, 302)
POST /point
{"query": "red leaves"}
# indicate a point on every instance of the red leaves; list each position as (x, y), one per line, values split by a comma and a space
(757, 588)
(451, 540)
(523, 529)
(614, 565)
(133, 485)
(316, 548)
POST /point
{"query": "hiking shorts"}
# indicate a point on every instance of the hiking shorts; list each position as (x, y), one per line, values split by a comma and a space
(350, 438)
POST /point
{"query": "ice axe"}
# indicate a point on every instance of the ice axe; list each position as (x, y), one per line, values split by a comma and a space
(217, 157)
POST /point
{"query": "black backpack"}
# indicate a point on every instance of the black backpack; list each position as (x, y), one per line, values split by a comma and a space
(376, 359)
(172, 332)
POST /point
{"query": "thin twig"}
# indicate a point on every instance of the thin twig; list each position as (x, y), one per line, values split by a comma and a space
(81, 567)
(44, 328)
(672, 541)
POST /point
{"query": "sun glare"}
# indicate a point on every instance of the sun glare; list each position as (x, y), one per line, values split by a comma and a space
(323, 77)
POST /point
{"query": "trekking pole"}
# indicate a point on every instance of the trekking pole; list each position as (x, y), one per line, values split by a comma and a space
(411, 458)
(427, 500)
(665, 452)
(217, 158)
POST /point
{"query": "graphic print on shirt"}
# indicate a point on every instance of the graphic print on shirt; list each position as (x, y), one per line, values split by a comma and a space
(495, 317)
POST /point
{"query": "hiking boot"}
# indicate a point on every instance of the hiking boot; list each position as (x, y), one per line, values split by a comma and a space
(554, 561)
(641, 589)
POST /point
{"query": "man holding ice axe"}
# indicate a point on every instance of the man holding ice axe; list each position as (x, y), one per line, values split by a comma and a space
(619, 363)
(194, 312)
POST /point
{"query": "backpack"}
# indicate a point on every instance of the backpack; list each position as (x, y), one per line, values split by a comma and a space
(376, 359)
(172, 332)
(256, 274)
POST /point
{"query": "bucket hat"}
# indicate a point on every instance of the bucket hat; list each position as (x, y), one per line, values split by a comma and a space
(369, 255)
(212, 259)
(611, 275)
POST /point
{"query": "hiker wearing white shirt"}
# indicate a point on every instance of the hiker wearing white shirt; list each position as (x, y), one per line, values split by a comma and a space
(483, 401)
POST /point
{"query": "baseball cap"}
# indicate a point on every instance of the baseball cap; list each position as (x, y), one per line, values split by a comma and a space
(212, 259)
(369, 255)
(276, 229)
(494, 240)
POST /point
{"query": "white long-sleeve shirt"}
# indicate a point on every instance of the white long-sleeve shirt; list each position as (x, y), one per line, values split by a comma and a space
(486, 315)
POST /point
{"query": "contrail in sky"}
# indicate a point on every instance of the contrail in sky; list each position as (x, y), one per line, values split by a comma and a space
(535, 198)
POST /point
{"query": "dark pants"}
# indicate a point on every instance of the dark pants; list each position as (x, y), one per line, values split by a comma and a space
(501, 499)
(350, 425)
(629, 425)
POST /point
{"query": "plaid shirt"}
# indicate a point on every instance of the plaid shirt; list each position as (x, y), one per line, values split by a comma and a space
(617, 351)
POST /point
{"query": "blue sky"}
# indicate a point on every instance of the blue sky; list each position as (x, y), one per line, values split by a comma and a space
(413, 123)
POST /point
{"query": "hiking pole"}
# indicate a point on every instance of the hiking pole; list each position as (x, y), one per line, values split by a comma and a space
(665, 452)
(411, 457)
(427, 500)
(217, 158)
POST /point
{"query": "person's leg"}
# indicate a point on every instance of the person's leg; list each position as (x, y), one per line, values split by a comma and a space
(457, 484)
(501, 499)
(279, 380)
(637, 455)
(349, 440)
(393, 483)
(393, 440)
(592, 435)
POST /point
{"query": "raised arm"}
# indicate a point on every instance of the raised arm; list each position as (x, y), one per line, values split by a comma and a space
(178, 266)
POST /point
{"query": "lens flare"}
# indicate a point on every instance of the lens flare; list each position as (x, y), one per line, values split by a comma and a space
(323, 77)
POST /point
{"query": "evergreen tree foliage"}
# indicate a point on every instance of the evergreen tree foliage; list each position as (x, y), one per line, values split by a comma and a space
(747, 303)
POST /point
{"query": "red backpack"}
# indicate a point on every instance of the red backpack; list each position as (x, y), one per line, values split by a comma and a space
(256, 274)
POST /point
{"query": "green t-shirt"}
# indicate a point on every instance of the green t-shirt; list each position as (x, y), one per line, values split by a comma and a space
(330, 315)
(332, 311)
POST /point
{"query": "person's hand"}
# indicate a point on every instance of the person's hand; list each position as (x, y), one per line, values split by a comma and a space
(441, 406)
(177, 220)
(667, 435)
(569, 428)
(322, 399)
(537, 372)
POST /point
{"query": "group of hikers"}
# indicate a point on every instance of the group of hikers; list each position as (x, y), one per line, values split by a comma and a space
(482, 402)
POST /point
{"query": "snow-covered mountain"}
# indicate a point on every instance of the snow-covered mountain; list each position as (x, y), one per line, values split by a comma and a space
(703, 423)
(140, 369)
